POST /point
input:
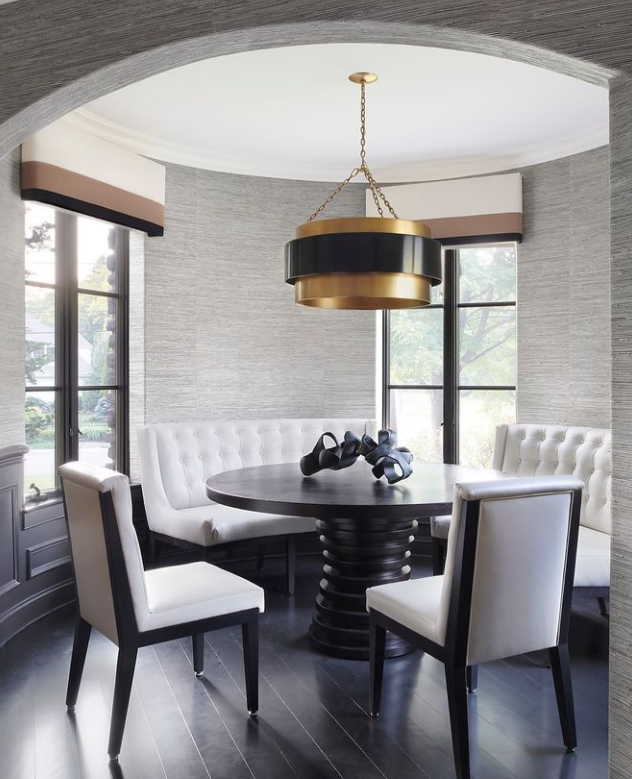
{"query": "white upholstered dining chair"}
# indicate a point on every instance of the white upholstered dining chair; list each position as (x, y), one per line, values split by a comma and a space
(134, 607)
(506, 591)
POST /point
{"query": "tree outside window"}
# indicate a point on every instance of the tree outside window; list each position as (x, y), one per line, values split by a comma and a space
(480, 313)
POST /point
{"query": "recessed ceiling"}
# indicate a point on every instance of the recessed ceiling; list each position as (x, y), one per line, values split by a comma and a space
(292, 113)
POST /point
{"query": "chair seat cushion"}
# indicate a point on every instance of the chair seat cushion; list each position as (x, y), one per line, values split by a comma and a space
(414, 604)
(185, 593)
(592, 568)
(218, 524)
(440, 527)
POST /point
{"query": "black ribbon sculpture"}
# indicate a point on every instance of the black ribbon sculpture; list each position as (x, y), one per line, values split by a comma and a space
(336, 457)
(384, 455)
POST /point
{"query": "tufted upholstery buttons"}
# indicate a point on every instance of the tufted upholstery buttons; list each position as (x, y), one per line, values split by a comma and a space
(182, 467)
(555, 449)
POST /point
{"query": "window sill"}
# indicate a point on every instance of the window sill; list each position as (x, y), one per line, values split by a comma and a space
(30, 505)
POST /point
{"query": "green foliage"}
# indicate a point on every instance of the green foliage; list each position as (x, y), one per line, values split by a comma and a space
(487, 353)
(40, 419)
(40, 237)
(34, 362)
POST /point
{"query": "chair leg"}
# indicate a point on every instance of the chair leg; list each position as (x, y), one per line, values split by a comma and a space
(122, 691)
(561, 667)
(438, 556)
(471, 673)
(456, 685)
(79, 649)
(198, 653)
(250, 638)
(290, 565)
(260, 557)
(603, 608)
(376, 665)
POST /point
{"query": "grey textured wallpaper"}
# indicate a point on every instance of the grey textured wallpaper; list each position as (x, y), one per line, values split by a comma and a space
(11, 302)
(223, 335)
(564, 293)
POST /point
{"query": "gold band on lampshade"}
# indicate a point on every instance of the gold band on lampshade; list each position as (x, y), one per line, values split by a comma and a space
(363, 224)
(363, 291)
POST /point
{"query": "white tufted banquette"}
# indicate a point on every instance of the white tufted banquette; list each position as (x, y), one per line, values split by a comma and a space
(556, 450)
(176, 459)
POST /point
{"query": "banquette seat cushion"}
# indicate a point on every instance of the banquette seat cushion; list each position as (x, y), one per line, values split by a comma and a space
(178, 458)
(547, 450)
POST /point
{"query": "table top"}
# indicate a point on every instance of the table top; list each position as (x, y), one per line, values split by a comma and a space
(351, 492)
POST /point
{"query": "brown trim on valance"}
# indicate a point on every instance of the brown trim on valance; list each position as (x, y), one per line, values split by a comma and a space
(89, 195)
(464, 227)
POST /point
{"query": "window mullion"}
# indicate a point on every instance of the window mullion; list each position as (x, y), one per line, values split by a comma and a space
(121, 260)
(67, 267)
(386, 368)
(450, 358)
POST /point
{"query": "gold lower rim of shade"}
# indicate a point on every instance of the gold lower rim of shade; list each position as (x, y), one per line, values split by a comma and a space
(363, 291)
(363, 224)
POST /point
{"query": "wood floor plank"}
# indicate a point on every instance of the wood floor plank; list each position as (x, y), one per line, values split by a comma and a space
(276, 723)
(313, 722)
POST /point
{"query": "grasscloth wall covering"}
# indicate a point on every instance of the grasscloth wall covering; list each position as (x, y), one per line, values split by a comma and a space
(223, 336)
(564, 293)
(43, 78)
(11, 303)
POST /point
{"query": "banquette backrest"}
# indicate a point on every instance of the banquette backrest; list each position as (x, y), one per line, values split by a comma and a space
(546, 450)
(177, 458)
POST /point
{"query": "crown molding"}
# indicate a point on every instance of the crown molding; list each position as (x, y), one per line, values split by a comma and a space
(166, 151)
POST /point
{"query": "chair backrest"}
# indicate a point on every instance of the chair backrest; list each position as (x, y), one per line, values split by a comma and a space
(102, 539)
(509, 567)
(545, 450)
(177, 458)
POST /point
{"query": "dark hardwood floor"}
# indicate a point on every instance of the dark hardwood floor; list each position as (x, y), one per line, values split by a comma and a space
(312, 722)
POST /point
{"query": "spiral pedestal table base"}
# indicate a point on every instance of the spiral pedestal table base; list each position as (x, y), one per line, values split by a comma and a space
(358, 553)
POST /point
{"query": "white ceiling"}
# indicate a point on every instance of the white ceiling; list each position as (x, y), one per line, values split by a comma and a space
(292, 113)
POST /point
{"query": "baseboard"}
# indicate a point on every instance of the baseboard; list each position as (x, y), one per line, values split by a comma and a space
(38, 605)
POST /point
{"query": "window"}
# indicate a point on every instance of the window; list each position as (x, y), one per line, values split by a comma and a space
(76, 344)
(449, 368)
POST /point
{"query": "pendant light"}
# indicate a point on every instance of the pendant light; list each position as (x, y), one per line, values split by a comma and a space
(362, 262)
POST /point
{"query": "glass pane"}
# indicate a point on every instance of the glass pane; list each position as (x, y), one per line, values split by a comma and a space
(97, 340)
(39, 243)
(417, 346)
(96, 267)
(97, 427)
(487, 346)
(487, 274)
(40, 467)
(40, 336)
(480, 411)
(417, 415)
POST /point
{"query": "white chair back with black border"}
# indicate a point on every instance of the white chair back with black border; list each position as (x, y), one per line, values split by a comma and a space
(506, 591)
(83, 487)
(134, 607)
(509, 549)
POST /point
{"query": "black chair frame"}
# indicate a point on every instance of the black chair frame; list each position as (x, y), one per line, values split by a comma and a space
(131, 639)
(459, 677)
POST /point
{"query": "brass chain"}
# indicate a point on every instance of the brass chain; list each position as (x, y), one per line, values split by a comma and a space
(377, 193)
(334, 194)
(362, 123)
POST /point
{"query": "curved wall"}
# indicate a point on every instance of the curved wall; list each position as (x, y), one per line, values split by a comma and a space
(111, 48)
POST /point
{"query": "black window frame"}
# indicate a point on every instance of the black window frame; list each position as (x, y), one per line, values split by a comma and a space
(67, 387)
(451, 387)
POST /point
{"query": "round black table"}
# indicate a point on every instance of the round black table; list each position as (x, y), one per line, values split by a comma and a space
(366, 528)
